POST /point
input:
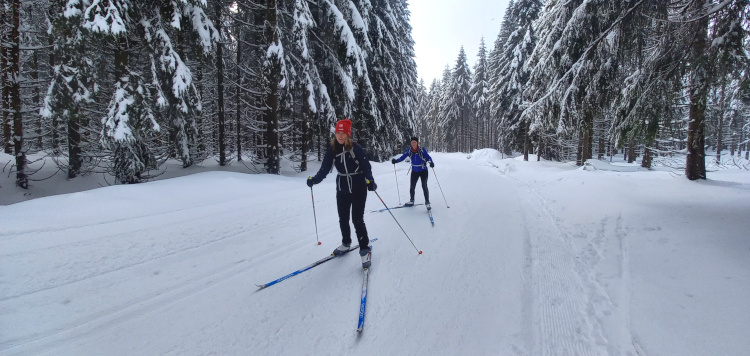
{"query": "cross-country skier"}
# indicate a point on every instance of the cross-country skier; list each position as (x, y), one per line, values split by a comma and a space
(352, 183)
(419, 161)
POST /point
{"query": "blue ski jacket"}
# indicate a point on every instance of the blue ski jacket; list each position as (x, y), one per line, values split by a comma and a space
(419, 158)
(352, 166)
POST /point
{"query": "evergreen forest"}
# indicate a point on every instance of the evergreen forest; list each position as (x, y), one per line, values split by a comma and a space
(122, 86)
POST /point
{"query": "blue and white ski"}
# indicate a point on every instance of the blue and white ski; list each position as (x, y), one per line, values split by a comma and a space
(314, 264)
(432, 221)
(363, 300)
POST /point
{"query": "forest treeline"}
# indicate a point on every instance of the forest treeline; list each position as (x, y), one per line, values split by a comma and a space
(120, 86)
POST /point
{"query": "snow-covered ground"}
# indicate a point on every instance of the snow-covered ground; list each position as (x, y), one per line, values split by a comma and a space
(531, 258)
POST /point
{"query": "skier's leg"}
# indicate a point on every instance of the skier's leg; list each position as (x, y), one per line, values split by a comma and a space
(424, 175)
(413, 184)
(358, 217)
(344, 203)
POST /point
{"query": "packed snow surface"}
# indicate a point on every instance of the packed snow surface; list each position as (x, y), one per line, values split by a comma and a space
(531, 258)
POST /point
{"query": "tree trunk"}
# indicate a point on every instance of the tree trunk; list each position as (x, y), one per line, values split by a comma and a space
(200, 119)
(631, 152)
(720, 124)
(580, 146)
(220, 87)
(22, 180)
(526, 141)
(305, 132)
(240, 83)
(5, 82)
(646, 161)
(273, 78)
(55, 134)
(37, 97)
(695, 165)
(539, 149)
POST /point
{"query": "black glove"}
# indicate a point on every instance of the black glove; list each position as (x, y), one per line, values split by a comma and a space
(310, 182)
(432, 164)
(393, 160)
(371, 186)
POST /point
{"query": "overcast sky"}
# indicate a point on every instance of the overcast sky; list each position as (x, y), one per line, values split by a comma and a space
(441, 27)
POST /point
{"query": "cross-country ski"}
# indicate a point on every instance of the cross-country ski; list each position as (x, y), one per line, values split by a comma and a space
(314, 264)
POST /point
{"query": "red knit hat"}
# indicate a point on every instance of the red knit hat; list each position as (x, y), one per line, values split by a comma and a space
(344, 126)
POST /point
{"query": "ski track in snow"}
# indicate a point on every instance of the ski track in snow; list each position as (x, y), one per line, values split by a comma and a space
(115, 262)
(568, 300)
(506, 270)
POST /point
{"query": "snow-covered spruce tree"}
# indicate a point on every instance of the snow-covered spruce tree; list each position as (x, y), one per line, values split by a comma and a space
(494, 64)
(479, 93)
(393, 76)
(738, 115)
(73, 80)
(217, 20)
(129, 125)
(445, 111)
(150, 89)
(716, 32)
(458, 105)
(251, 45)
(168, 28)
(432, 117)
(513, 73)
(340, 59)
(306, 80)
(572, 69)
(691, 45)
(12, 81)
(5, 78)
(422, 128)
(34, 71)
(274, 77)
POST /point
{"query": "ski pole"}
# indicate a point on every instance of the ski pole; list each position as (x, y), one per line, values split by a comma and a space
(394, 218)
(315, 216)
(441, 188)
(397, 188)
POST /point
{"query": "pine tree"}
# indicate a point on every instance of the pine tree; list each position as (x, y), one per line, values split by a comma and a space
(5, 21)
(513, 73)
(421, 113)
(274, 76)
(73, 80)
(434, 114)
(494, 64)
(392, 76)
(14, 94)
(446, 112)
(479, 93)
(572, 71)
(458, 105)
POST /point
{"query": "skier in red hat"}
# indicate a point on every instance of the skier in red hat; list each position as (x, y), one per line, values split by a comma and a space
(352, 183)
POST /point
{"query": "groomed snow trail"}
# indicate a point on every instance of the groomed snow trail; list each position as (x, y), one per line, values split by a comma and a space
(532, 258)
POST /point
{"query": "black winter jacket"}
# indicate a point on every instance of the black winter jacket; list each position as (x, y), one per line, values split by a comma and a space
(353, 167)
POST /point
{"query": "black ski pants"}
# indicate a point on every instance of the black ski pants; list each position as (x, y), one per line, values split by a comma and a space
(416, 176)
(354, 202)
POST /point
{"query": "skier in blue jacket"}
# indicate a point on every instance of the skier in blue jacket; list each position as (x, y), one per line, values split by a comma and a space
(419, 161)
(352, 183)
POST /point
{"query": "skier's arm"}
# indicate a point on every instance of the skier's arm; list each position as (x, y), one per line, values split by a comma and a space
(426, 155)
(403, 156)
(325, 166)
(365, 162)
